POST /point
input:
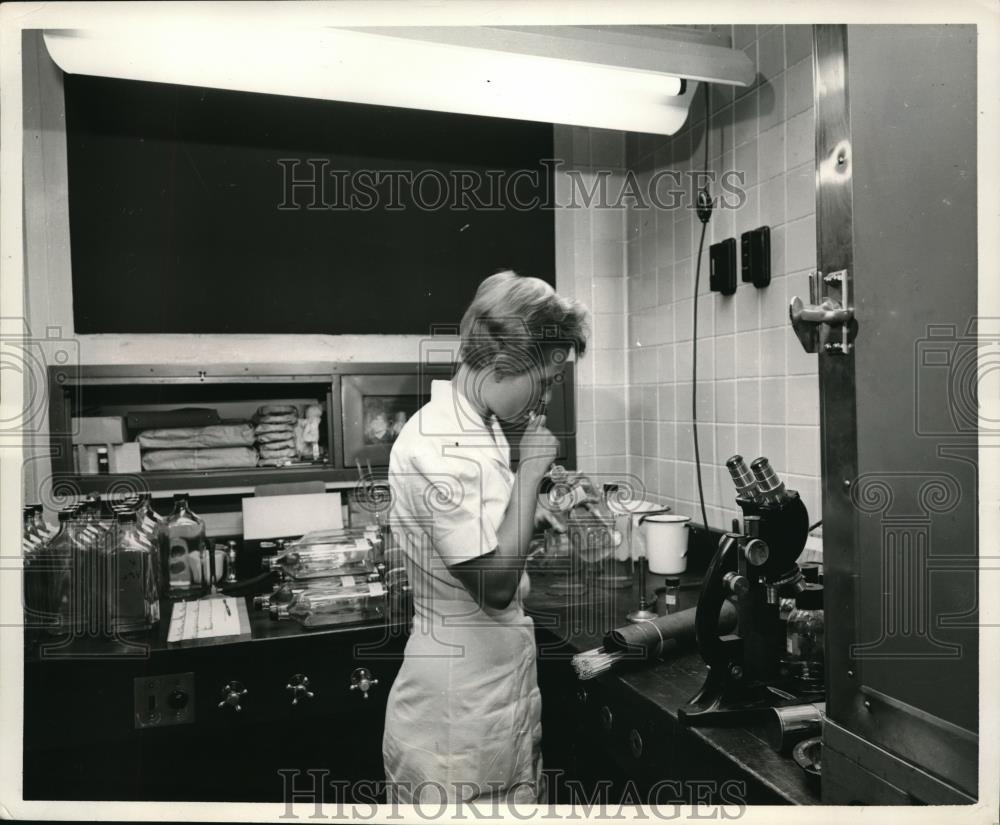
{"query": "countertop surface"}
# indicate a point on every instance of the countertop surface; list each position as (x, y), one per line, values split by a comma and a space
(565, 624)
(579, 622)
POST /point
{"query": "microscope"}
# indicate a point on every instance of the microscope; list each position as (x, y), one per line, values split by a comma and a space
(755, 570)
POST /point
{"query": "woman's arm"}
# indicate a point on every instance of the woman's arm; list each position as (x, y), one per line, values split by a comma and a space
(493, 578)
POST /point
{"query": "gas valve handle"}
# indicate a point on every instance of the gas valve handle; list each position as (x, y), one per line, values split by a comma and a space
(362, 679)
(231, 694)
(299, 686)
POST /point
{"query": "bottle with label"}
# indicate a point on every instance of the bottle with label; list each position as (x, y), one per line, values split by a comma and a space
(183, 547)
(132, 600)
(672, 589)
(805, 636)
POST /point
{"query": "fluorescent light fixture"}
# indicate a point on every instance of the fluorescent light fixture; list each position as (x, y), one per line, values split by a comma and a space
(520, 74)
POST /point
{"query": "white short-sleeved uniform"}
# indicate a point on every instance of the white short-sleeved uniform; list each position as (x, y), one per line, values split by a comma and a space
(464, 714)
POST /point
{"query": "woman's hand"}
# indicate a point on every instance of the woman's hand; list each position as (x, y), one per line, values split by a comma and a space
(538, 448)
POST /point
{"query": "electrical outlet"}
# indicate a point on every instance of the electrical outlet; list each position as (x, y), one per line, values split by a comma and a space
(164, 700)
(722, 266)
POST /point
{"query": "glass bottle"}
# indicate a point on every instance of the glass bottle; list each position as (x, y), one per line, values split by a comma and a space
(334, 605)
(48, 582)
(804, 649)
(41, 525)
(31, 539)
(671, 592)
(34, 575)
(183, 548)
(132, 601)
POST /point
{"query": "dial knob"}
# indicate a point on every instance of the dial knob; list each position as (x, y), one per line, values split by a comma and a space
(232, 693)
(738, 585)
(757, 552)
(298, 685)
(178, 699)
(361, 679)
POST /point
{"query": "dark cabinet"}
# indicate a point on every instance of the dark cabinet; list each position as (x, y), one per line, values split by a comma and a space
(82, 742)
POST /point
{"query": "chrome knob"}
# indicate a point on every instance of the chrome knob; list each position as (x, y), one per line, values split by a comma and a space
(362, 679)
(737, 584)
(757, 552)
(232, 694)
(299, 686)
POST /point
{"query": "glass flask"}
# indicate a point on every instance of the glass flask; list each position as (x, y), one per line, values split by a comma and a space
(354, 601)
(284, 593)
(804, 649)
(182, 547)
(132, 600)
(323, 560)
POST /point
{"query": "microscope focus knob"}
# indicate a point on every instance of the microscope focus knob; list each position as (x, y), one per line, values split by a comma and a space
(757, 552)
(738, 585)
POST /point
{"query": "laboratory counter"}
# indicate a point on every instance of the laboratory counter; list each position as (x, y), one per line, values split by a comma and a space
(150, 703)
(624, 723)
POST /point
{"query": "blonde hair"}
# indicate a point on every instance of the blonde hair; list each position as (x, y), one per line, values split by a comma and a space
(514, 318)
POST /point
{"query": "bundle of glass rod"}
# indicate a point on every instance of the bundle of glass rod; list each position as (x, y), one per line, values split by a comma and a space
(643, 641)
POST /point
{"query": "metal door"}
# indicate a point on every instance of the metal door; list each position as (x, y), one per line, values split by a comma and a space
(896, 234)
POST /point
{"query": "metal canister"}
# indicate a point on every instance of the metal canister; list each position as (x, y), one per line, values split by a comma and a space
(787, 726)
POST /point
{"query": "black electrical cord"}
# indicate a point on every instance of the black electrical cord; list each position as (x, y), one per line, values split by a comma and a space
(704, 214)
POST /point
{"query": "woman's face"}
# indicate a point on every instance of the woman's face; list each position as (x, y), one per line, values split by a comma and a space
(512, 398)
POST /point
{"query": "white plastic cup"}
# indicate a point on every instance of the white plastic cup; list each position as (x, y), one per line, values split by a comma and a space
(666, 539)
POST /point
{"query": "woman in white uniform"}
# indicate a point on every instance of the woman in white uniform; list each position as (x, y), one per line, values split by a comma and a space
(463, 720)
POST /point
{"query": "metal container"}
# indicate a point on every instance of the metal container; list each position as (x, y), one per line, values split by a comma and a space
(787, 726)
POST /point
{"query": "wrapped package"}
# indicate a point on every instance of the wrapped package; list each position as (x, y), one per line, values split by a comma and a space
(264, 429)
(284, 438)
(278, 409)
(193, 438)
(288, 419)
(207, 459)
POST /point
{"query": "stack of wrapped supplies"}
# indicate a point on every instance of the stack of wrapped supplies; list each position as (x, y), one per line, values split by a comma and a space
(214, 447)
(274, 432)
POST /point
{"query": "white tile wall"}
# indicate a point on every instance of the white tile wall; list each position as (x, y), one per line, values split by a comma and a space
(757, 390)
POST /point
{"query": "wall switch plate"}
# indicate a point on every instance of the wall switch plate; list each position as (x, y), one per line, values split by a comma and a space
(164, 700)
(755, 247)
(722, 266)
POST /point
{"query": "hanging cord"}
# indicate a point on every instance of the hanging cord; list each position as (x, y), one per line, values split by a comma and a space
(704, 211)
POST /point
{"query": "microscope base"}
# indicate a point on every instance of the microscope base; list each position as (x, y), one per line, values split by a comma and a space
(721, 702)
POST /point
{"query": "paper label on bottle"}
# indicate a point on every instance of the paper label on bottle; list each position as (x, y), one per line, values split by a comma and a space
(375, 589)
(670, 598)
(792, 645)
(347, 581)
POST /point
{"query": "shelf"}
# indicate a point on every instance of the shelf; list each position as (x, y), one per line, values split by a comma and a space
(244, 479)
